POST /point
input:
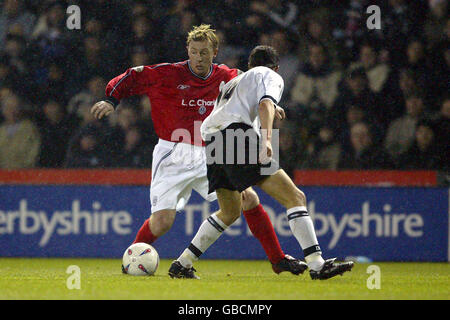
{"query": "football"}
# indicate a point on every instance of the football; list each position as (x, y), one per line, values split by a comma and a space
(140, 259)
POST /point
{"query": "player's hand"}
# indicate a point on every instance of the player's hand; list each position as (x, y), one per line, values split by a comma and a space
(101, 109)
(266, 153)
(279, 113)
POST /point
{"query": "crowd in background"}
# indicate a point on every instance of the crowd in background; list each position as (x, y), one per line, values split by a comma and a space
(355, 98)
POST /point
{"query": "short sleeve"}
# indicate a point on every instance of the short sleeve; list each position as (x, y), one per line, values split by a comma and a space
(270, 85)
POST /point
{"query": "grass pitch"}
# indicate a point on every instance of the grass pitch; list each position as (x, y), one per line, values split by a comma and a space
(35, 278)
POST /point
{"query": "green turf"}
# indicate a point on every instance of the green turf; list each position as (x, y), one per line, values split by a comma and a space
(102, 279)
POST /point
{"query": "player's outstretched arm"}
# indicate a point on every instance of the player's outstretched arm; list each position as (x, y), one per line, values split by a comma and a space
(102, 109)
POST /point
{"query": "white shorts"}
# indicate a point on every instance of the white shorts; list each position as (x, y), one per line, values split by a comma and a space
(177, 169)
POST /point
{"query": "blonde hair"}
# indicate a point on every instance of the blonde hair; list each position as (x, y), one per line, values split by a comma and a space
(203, 32)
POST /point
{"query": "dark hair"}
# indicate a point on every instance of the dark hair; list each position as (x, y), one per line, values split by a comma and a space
(265, 56)
(357, 73)
(426, 122)
(418, 94)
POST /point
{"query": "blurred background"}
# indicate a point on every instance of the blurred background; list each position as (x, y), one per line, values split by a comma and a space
(356, 98)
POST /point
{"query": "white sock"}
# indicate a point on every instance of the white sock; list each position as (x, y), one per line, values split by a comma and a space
(302, 228)
(187, 258)
(315, 261)
(210, 230)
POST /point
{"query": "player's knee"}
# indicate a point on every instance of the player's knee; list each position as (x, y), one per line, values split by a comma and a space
(298, 198)
(234, 216)
(301, 197)
(250, 199)
(229, 216)
(161, 222)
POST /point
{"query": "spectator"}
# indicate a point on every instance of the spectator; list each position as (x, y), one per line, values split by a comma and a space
(146, 108)
(19, 137)
(127, 117)
(440, 83)
(9, 75)
(441, 127)
(15, 16)
(315, 28)
(289, 62)
(350, 28)
(51, 24)
(51, 84)
(364, 154)
(324, 151)
(355, 92)
(55, 130)
(115, 18)
(423, 154)
(436, 22)
(93, 92)
(123, 145)
(140, 57)
(406, 84)
(178, 24)
(51, 38)
(290, 148)
(354, 114)
(86, 149)
(136, 153)
(316, 87)
(14, 51)
(5, 92)
(230, 16)
(400, 134)
(377, 73)
(156, 10)
(145, 40)
(401, 21)
(113, 14)
(229, 54)
(417, 62)
(94, 27)
(92, 60)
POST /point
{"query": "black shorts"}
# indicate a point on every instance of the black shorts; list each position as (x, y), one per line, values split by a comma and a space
(235, 165)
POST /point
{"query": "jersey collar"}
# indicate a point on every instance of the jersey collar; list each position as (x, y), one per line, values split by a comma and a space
(200, 77)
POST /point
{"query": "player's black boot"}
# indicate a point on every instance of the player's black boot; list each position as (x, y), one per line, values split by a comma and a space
(176, 270)
(331, 269)
(290, 264)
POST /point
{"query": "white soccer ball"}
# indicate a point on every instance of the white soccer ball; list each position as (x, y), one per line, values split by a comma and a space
(140, 259)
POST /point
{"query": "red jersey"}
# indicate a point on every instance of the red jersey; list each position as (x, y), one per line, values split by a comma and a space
(177, 95)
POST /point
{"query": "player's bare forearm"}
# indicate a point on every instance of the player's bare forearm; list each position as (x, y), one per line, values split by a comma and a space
(266, 116)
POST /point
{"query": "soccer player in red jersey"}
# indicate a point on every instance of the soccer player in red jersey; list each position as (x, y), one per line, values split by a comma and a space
(182, 95)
